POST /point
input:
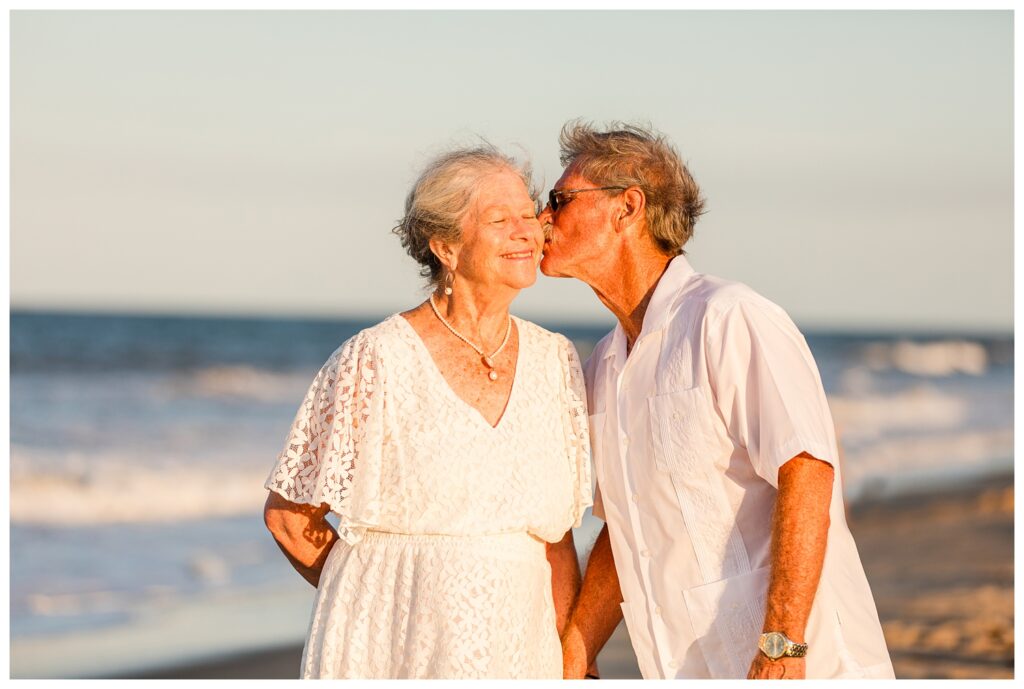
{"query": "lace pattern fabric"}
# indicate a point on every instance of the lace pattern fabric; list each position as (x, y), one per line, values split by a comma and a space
(435, 607)
(441, 570)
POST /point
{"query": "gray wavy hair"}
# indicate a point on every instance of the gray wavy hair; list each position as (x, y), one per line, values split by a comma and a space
(442, 196)
(633, 155)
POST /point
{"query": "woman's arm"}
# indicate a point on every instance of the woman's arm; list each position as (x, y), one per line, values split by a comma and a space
(565, 578)
(302, 532)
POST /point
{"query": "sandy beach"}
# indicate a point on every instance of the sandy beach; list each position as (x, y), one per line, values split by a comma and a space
(940, 566)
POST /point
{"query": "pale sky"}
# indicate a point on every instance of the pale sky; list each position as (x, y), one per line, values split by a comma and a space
(858, 166)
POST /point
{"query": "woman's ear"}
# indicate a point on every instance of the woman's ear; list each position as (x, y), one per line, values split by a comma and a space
(445, 253)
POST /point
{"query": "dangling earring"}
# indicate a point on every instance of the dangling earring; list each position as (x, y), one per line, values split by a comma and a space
(449, 282)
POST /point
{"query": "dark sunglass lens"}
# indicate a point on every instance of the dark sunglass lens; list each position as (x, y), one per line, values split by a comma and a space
(553, 200)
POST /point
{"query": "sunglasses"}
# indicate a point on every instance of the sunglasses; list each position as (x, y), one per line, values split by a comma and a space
(559, 197)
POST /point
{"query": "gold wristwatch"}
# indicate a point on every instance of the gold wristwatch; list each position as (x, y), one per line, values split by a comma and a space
(776, 644)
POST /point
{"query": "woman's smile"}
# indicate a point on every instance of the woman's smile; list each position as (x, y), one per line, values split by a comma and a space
(519, 255)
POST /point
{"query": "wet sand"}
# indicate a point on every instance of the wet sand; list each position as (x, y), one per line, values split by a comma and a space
(940, 567)
(941, 570)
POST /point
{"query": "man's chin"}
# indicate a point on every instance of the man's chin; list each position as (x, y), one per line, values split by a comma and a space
(550, 268)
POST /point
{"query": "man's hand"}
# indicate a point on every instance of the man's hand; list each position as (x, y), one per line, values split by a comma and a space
(785, 667)
(596, 613)
(574, 654)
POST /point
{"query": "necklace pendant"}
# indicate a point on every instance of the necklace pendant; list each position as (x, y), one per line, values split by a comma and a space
(487, 361)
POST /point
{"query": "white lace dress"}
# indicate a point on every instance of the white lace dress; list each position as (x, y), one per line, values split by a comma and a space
(441, 570)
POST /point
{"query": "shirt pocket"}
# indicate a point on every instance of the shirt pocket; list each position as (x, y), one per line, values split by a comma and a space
(680, 430)
(727, 617)
(684, 446)
(828, 654)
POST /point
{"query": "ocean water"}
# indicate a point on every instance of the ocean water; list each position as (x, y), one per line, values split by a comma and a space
(139, 447)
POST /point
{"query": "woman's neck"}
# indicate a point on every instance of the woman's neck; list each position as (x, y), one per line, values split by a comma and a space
(478, 315)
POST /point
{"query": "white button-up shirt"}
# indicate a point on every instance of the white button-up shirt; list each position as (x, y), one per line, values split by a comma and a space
(688, 434)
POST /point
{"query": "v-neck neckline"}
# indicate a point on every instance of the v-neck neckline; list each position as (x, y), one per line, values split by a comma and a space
(422, 346)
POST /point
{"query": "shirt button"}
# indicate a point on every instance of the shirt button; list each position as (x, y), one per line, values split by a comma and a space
(636, 498)
(645, 552)
(673, 664)
(657, 611)
(675, 416)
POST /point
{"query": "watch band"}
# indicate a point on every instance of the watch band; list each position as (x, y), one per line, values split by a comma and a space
(795, 650)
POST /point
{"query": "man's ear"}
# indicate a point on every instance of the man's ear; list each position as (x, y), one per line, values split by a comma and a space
(631, 210)
(445, 253)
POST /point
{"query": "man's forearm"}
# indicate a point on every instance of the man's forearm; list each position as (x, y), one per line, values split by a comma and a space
(597, 611)
(799, 536)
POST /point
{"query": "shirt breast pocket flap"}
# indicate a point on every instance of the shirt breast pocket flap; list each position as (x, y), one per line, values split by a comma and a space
(680, 429)
(727, 617)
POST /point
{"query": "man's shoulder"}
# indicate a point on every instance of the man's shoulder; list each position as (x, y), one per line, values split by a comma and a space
(713, 296)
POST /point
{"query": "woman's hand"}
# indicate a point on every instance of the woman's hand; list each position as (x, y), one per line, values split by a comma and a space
(302, 532)
(574, 654)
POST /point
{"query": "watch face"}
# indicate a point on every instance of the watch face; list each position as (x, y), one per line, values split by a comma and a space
(774, 645)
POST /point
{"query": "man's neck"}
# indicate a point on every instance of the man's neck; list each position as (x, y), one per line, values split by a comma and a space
(627, 288)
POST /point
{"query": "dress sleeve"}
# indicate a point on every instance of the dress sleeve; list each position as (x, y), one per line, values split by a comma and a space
(766, 386)
(333, 451)
(577, 435)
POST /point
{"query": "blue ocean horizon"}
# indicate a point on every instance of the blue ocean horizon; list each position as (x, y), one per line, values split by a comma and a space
(133, 340)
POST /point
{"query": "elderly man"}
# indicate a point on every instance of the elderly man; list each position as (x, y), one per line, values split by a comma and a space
(714, 447)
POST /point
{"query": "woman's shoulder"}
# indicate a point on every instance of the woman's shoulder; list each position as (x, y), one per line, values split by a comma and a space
(377, 341)
(544, 338)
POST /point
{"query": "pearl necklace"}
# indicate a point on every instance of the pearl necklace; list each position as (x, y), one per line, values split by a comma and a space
(487, 361)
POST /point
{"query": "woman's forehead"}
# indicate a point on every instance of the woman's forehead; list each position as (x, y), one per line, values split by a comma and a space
(501, 188)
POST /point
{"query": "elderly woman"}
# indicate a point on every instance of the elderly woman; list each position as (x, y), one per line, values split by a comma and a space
(450, 441)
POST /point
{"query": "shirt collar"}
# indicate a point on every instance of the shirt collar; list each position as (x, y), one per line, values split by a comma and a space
(617, 347)
(659, 308)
